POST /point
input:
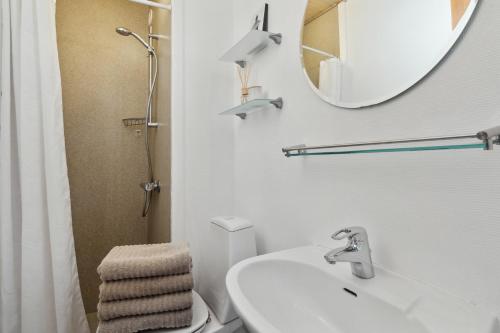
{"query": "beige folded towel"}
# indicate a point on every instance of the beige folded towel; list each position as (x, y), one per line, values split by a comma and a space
(144, 305)
(133, 288)
(137, 261)
(176, 319)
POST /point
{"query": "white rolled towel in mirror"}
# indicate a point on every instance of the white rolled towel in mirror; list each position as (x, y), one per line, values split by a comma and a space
(330, 78)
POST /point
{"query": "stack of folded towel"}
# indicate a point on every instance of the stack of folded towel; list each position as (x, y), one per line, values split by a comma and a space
(145, 287)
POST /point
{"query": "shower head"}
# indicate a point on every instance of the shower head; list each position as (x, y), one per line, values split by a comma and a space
(125, 32)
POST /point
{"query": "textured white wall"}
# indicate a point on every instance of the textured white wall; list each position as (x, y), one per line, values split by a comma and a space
(202, 144)
(404, 38)
(431, 216)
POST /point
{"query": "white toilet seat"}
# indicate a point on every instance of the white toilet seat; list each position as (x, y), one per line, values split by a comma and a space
(200, 318)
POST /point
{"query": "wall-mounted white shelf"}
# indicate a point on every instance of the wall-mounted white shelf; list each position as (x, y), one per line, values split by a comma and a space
(253, 42)
(253, 105)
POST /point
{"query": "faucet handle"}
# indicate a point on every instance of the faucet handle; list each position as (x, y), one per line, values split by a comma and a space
(349, 233)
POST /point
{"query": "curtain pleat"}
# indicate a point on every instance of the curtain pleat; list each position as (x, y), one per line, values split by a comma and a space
(39, 288)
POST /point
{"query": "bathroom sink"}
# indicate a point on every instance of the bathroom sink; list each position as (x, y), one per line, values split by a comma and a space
(296, 291)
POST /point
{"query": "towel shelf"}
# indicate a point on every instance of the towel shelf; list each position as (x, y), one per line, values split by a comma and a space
(488, 138)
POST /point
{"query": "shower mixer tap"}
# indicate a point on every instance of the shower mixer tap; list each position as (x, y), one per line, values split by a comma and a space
(153, 186)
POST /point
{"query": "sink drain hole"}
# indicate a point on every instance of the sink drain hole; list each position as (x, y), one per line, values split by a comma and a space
(350, 292)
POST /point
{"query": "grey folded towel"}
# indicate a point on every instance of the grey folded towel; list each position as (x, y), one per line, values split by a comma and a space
(144, 305)
(141, 287)
(176, 319)
(137, 261)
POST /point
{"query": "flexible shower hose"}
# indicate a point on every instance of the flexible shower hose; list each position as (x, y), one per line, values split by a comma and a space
(148, 191)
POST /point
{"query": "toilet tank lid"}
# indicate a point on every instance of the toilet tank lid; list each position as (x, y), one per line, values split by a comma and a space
(231, 223)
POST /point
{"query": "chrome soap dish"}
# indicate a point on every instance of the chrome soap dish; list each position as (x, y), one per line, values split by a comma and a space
(128, 122)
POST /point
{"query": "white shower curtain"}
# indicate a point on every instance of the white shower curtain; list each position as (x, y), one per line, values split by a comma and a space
(39, 289)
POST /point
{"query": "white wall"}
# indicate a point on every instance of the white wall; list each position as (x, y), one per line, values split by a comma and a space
(431, 216)
(202, 144)
(388, 44)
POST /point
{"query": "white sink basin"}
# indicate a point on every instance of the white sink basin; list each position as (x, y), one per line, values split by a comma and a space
(296, 291)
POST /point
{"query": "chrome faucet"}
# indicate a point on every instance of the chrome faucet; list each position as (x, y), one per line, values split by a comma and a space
(357, 252)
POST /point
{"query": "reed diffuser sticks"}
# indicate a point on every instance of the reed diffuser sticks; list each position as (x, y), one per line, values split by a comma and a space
(244, 75)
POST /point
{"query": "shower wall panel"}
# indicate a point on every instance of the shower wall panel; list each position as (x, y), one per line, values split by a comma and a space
(104, 79)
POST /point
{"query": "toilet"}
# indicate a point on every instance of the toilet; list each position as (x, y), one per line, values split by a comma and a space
(229, 240)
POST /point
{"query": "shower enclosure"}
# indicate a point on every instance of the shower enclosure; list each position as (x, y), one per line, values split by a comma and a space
(116, 96)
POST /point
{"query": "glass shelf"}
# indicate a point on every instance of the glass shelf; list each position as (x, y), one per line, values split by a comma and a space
(304, 152)
(253, 42)
(484, 140)
(253, 105)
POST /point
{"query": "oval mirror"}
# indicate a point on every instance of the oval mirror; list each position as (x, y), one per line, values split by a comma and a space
(357, 53)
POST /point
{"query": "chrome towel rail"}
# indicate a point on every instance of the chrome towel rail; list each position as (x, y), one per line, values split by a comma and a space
(487, 138)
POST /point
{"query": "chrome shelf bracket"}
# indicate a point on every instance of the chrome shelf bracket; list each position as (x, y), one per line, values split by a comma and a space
(241, 63)
(278, 103)
(490, 137)
(276, 38)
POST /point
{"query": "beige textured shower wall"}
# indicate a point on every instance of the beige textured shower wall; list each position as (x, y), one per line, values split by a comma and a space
(104, 78)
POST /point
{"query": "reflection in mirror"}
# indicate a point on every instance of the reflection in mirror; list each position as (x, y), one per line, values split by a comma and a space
(363, 52)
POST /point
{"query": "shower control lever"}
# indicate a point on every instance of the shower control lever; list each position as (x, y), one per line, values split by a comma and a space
(153, 186)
